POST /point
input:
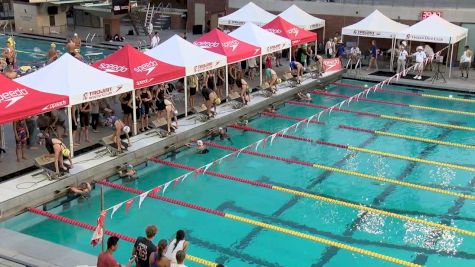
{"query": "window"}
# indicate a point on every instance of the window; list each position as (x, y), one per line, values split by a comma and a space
(52, 21)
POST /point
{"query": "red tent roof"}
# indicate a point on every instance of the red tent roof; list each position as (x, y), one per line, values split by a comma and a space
(18, 101)
(146, 71)
(286, 29)
(221, 43)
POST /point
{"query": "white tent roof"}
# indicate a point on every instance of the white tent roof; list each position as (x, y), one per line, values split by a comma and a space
(302, 19)
(434, 29)
(375, 25)
(248, 13)
(177, 51)
(255, 35)
(81, 82)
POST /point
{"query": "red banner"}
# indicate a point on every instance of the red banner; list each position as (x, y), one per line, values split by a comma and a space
(331, 64)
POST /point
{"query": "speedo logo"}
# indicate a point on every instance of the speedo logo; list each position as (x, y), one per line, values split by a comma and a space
(206, 44)
(113, 68)
(147, 67)
(293, 31)
(233, 44)
(276, 31)
(11, 97)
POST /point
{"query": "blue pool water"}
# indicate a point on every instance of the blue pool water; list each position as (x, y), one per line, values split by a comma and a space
(239, 244)
(34, 52)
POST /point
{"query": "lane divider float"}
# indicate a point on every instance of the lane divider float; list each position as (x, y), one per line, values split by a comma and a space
(397, 104)
(316, 197)
(264, 225)
(348, 172)
(359, 149)
(107, 232)
(352, 86)
(361, 113)
(408, 137)
(281, 116)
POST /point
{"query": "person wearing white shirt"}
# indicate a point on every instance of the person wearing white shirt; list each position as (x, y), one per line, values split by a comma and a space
(429, 53)
(401, 60)
(420, 57)
(355, 54)
(180, 258)
(155, 40)
(466, 60)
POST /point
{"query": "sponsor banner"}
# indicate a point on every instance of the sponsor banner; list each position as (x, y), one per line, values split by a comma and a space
(205, 67)
(120, 7)
(366, 33)
(293, 31)
(11, 97)
(233, 44)
(275, 48)
(101, 93)
(427, 13)
(234, 22)
(146, 67)
(424, 38)
(331, 64)
(112, 68)
(143, 83)
(275, 31)
(206, 44)
(54, 106)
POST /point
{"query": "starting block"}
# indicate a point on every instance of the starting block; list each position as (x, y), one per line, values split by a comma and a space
(46, 164)
(111, 146)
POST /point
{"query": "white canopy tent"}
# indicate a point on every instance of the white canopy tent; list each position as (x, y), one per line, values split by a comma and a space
(248, 13)
(376, 25)
(302, 19)
(81, 82)
(435, 29)
(177, 51)
(267, 41)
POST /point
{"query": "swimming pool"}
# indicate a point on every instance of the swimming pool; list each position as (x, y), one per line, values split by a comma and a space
(350, 147)
(34, 51)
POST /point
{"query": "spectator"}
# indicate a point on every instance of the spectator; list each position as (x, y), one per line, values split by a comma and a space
(252, 64)
(95, 115)
(21, 135)
(179, 259)
(157, 259)
(329, 48)
(466, 60)
(419, 66)
(179, 243)
(106, 259)
(144, 247)
(58, 118)
(146, 98)
(155, 40)
(429, 53)
(373, 61)
(31, 125)
(401, 61)
(193, 85)
(84, 114)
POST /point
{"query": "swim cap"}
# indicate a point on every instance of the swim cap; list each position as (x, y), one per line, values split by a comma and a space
(130, 167)
(126, 129)
(220, 128)
(66, 152)
(308, 95)
(175, 112)
(279, 80)
(217, 101)
(53, 45)
(199, 142)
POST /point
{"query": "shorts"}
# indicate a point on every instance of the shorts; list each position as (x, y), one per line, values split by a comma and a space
(419, 66)
(192, 90)
(84, 118)
(126, 109)
(160, 105)
(74, 126)
(145, 109)
(465, 65)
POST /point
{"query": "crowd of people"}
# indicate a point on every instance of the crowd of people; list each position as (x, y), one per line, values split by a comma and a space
(146, 254)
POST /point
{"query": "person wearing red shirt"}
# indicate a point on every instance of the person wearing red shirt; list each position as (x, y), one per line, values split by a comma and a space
(106, 259)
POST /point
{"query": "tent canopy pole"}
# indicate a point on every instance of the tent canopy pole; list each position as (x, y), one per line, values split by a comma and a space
(71, 137)
(185, 83)
(134, 112)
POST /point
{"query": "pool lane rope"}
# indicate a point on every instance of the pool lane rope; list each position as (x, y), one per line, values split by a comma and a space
(397, 104)
(359, 149)
(264, 225)
(107, 232)
(361, 113)
(352, 86)
(281, 116)
(360, 207)
(348, 172)
(408, 137)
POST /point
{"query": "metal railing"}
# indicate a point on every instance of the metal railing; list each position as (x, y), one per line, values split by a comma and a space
(408, 3)
(54, 29)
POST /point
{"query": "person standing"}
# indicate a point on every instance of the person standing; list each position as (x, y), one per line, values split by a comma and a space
(401, 61)
(177, 244)
(420, 57)
(329, 48)
(95, 115)
(144, 246)
(84, 113)
(106, 259)
(466, 60)
(21, 135)
(373, 61)
(155, 40)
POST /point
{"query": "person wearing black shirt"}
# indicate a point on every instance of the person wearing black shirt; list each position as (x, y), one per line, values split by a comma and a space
(144, 246)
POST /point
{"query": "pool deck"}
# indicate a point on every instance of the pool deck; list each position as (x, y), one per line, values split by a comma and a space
(455, 83)
(23, 249)
(94, 166)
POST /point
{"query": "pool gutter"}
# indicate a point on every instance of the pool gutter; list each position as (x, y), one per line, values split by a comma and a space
(49, 192)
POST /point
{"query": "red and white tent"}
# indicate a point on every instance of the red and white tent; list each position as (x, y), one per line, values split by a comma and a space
(18, 101)
(221, 43)
(287, 30)
(144, 70)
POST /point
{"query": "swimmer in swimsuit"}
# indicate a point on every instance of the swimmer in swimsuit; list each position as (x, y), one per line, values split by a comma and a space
(60, 151)
(171, 111)
(21, 135)
(119, 128)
